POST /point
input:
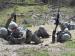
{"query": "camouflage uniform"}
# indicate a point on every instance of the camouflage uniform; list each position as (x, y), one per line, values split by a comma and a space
(63, 36)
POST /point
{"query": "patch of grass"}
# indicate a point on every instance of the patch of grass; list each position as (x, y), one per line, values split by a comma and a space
(70, 53)
(70, 44)
(29, 25)
(26, 10)
(32, 52)
(30, 1)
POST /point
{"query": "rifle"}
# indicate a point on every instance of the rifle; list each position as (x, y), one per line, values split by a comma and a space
(13, 16)
(54, 31)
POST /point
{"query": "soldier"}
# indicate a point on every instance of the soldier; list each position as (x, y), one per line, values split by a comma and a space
(36, 39)
(25, 37)
(14, 35)
(4, 30)
(41, 32)
(63, 35)
(28, 37)
(17, 35)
